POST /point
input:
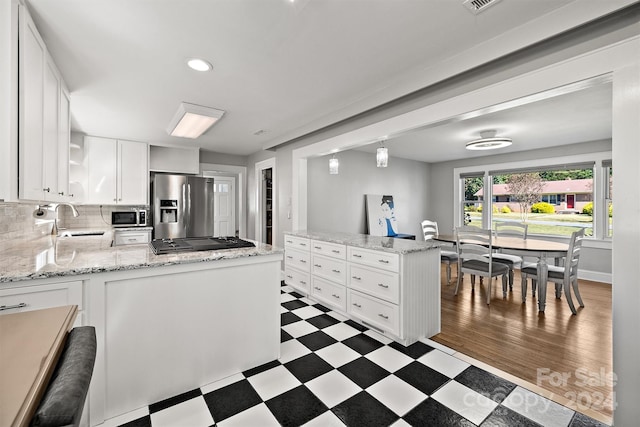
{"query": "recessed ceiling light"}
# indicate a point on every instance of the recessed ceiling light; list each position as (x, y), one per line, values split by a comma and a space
(488, 141)
(199, 64)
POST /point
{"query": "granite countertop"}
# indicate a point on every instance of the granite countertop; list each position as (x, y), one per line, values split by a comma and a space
(51, 256)
(366, 241)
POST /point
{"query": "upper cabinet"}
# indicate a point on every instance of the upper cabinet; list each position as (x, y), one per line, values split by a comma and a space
(117, 171)
(43, 118)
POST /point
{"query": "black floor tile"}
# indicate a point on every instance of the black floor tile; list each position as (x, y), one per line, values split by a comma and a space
(415, 350)
(356, 325)
(322, 307)
(284, 336)
(363, 372)
(308, 367)
(581, 420)
(231, 400)
(317, 340)
(164, 404)
(296, 407)
(432, 413)
(296, 294)
(505, 417)
(363, 344)
(323, 321)
(422, 377)
(288, 317)
(140, 422)
(364, 410)
(485, 383)
(258, 369)
(292, 305)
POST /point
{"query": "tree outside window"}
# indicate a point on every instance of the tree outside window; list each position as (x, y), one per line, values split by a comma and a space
(525, 189)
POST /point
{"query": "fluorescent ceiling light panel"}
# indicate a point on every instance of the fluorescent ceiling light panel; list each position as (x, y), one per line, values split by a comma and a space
(191, 120)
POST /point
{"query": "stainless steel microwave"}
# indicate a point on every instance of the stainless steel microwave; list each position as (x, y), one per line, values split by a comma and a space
(137, 218)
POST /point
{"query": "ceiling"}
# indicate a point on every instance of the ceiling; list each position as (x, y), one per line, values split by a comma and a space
(284, 68)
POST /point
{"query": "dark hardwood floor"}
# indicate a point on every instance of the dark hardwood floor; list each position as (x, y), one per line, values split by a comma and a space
(567, 355)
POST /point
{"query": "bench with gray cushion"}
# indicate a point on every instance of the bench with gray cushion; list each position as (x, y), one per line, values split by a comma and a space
(63, 400)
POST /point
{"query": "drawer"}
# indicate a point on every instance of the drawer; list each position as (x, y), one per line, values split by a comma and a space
(379, 259)
(329, 293)
(329, 268)
(333, 250)
(295, 242)
(131, 237)
(41, 296)
(298, 279)
(376, 282)
(297, 259)
(374, 312)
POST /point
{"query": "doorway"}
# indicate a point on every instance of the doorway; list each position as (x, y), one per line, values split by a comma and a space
(224, 205)
(266, 201)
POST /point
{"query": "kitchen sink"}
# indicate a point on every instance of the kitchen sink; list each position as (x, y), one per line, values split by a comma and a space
(68, 233)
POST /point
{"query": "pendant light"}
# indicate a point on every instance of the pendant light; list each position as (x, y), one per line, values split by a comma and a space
(334, 164)
(382, 156)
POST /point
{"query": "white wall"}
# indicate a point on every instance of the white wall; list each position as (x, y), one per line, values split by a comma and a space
(337, 203)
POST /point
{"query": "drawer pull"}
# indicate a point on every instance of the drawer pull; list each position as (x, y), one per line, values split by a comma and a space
(317, 265)
(357, 305)
(384, 261)
(303, 261)
(317, 288)
(289, 276)
(382, 285)
(336, 271)
(318, 247)
(302, 282)
(335, 296)
(383, 316)
(356, 277)
(303, 244)
(357, 255)
(289, 241)
(335, 251)
(289, 257)
(11, 307)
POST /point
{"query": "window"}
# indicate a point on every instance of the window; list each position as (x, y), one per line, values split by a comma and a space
(608, 197)
(473, 193)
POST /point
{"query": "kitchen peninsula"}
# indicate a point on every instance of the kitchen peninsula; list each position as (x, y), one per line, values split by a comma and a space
(165, 324)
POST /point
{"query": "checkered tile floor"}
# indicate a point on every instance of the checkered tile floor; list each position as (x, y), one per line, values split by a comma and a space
(334, 372)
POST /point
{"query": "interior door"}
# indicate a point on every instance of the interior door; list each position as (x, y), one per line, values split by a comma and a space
(224, 218)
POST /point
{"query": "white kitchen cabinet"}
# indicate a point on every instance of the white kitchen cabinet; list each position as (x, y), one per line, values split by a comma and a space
(117, 171)
(131, 237)
(43, 120)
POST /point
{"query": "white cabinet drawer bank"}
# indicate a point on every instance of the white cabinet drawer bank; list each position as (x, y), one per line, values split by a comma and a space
(390, 285)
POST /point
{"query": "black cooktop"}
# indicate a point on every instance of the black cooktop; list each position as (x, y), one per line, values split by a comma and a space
(190, 244)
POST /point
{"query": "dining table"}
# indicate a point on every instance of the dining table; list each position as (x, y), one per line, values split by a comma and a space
(539, 248)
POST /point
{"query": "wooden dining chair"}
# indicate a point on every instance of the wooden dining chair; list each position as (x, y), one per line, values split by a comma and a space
(565, 277)
(510, 229)
(430, 229)
(475, 256)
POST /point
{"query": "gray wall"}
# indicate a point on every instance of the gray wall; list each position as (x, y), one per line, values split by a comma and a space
(337, 203)
(222, 159)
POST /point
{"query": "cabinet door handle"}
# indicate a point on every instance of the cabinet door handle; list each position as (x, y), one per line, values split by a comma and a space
(336, 271)
(356, 277)
(289, 241)
(11, 307)
(289, 257)
(46, 189)
(357, 255)
(318, 247)
(317, 265)
(303, 261)
(335, 296)
(317, 288)
(303, 244)
(384, 261)
(357, 305)
(335, 251)
(382, 285)
(70, 195)
(383, 316)
(302, 282)
(61, 193)
(289, 276)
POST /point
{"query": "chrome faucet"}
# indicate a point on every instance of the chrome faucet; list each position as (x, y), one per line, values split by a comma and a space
(74, 211)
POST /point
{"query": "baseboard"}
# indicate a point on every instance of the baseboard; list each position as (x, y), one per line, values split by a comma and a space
(595, 276)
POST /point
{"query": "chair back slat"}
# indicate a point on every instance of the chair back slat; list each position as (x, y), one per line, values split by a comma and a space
(511, 229)
(573, 254)
(429, 229)
(474, 243)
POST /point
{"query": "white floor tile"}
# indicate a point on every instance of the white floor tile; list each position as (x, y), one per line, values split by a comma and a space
(328, 419)
(401, 423)
(338, 354)
(299, 328)
(258, 415)
(444, 363)
(538, 408)
(125, 418)
(292, 349)
(308, 301)
(283, 310)
(273, 382)
(341, 331)
(389, 359)
(194, 413)
(333, 388)
(307, 312)
(438, 346)
(221, 383)
(287, 288)
(466, 402)
(338, 316)
(396, 394)
(286, 297)
(379, 337)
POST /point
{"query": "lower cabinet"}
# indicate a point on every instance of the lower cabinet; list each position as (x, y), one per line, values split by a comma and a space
(131, 237)
(394, 293)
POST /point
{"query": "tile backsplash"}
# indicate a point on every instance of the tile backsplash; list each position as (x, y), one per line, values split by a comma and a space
(17, 222)
(91, 216)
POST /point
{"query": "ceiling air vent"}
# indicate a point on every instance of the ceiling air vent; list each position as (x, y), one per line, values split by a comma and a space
(477, 6)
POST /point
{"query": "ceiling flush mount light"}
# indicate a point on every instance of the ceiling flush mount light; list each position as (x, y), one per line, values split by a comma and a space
(382, 156)
(489, 141)
(334, 164)
(199, 64)
(191, 120)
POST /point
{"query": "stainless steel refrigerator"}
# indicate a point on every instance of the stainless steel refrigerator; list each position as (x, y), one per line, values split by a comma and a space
(182, 206)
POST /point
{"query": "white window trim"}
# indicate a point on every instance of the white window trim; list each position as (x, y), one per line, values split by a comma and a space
(598, 240)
